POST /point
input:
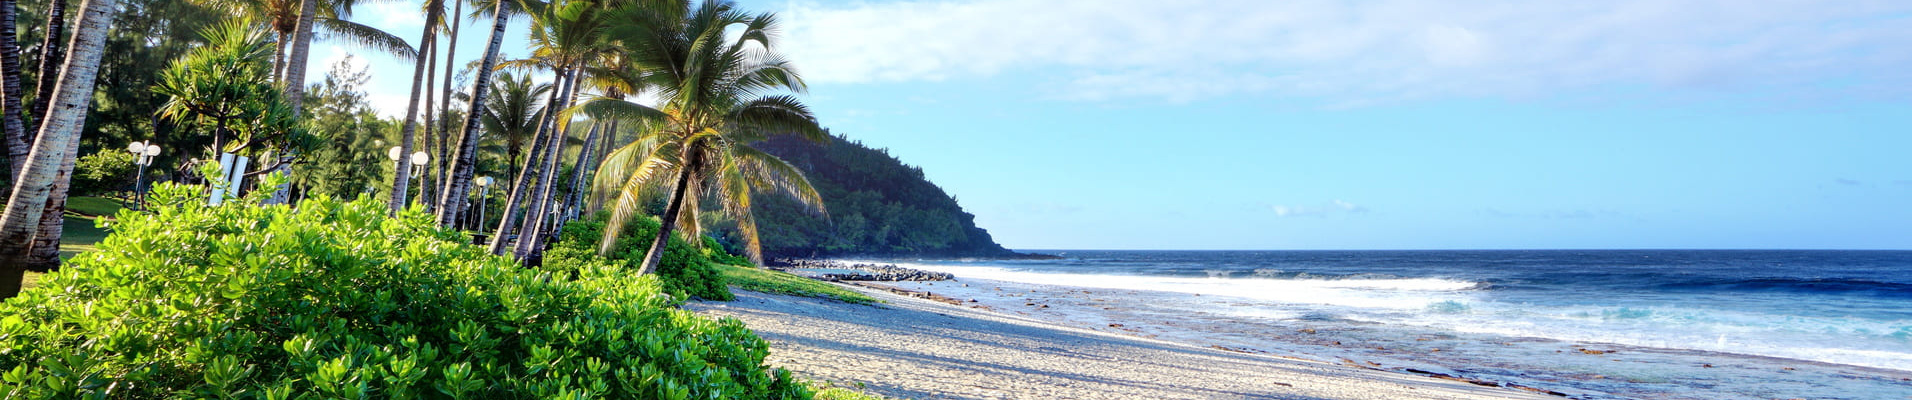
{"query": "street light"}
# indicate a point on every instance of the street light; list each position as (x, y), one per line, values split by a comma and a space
(484, 187)
(418, 161)
(145, 152)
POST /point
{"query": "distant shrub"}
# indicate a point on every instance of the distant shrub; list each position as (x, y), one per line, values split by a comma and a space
(683, 270)
(109, 170)
(334, 300)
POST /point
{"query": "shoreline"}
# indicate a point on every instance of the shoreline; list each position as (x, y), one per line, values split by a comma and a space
(918, 347)
(1586, 370)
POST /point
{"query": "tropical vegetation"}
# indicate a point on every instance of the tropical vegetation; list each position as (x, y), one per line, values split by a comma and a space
(335, 300)
(613, 209)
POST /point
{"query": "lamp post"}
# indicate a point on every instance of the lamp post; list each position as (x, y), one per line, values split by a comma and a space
(484, 189)
(418, 163)
(144, 152)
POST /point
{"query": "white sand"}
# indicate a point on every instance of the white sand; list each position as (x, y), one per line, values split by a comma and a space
(921, 349)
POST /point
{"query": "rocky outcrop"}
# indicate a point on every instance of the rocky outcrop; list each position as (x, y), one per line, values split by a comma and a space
(830, 271)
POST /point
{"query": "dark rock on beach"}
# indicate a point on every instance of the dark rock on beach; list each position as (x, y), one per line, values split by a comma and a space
(864, 272)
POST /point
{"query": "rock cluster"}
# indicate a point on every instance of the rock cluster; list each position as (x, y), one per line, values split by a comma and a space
(867, 272)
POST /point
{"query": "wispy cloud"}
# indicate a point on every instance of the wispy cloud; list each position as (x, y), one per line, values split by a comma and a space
(1337, 206)
(1848, 182)
(1365, 51)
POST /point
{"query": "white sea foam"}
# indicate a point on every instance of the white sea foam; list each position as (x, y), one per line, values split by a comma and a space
(1396, 293)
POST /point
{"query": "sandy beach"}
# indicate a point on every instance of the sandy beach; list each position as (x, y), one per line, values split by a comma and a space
(922, 349)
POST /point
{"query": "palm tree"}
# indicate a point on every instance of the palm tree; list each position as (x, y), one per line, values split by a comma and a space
(464, 161)
(10, 84)
(401, 174)
(63, 124)
(713, 104)
(513, 113)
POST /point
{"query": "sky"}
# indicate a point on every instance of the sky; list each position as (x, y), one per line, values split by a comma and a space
(1127, 124)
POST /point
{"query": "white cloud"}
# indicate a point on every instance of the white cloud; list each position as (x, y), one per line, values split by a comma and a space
(1363, 51)
(1337, 206)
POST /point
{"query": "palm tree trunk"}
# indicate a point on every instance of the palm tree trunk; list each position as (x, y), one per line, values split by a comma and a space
(16, 132)
(604, 148)
(51, 57)
(580, 170)
(464, 163)
(402, 174)
(669, 219)
(278, 56)
(508, 221)
(426, 183)
(64, 122)
(294, 79)
(444, 107)
(45, 253)
(539, 210)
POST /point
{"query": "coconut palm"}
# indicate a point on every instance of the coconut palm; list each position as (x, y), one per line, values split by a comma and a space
(401, 175)
(715, 99)
(62, 128)
(565, 36)
(513, 113)
(464, 161)
(10, 83)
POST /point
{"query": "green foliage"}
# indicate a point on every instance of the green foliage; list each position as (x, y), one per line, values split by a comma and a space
(767, 281)
(878, 206)
(840, 393)
(103, 172)
(335, 300)
(226, 85)
(350, 159)
(683, 270)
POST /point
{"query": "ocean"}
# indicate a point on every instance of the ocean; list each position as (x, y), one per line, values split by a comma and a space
(1589, 324)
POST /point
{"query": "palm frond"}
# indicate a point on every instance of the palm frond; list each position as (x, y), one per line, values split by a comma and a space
(367, 37)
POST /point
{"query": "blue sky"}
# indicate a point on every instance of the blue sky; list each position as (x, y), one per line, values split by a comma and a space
(1114, 124)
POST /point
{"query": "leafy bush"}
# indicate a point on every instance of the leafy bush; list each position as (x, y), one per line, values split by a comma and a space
(683, 270)
(109, 170)
(335, 300)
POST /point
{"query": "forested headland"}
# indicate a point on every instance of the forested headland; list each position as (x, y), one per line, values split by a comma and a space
(877, 206)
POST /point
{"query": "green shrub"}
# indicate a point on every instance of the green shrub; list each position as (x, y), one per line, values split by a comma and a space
(683, 270)
(107, 171)
(335, 300)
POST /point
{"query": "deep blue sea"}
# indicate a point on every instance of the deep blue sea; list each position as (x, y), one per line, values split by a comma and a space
(1597, 324)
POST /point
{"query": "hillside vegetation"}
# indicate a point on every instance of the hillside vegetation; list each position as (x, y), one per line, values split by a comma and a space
(877, 206)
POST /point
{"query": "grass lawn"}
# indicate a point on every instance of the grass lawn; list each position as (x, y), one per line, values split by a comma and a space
(767, 281)
(92, 206)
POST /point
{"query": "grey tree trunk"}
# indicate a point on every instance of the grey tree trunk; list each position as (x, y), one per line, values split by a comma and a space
(509, 220)
(45, 253)
(427, 183)
(64, 122)
(51, 56)
(539, 209)
(669, 219)
(16, 131)
(294, 79)
(580, 170)
(402, 174)
(464, 161)
(444, 108)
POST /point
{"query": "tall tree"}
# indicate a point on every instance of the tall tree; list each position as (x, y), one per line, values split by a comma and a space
(713, 97)
(63, 124)
(402, 172)
(464, 160)
(16, 131)
(50, 60)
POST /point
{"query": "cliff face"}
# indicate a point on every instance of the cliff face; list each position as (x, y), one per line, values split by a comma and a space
(877, 206)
